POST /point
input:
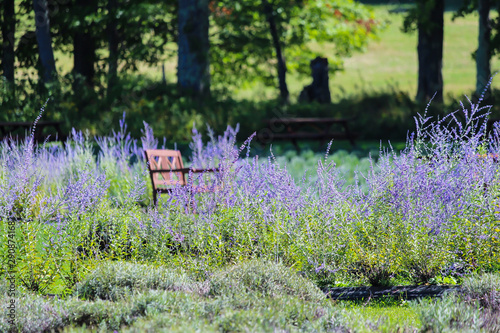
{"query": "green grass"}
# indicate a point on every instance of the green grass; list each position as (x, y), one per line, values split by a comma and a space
(392, 61)
(383, 318)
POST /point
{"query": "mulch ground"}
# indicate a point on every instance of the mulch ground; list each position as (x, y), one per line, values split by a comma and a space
(403, 292)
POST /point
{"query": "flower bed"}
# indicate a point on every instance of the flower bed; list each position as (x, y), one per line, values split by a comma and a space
(408, 221)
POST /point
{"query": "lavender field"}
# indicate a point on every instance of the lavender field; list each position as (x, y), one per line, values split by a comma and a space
(84, 228)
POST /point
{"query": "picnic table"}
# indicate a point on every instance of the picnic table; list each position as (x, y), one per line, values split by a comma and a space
(319, 129)
(15, 128)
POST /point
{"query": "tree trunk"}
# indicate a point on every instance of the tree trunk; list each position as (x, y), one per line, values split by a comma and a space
(113, 42)
(277, 47)
(8, 31)
(84, 46)
(430, 51)
(44, 40)
(319, 89)
(483, 53)
(193, 72)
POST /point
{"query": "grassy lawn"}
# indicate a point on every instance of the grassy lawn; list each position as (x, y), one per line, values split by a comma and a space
(383, 317)
(391, 62)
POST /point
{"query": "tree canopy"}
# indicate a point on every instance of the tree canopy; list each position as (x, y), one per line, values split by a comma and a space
(241, 45)
(146, 31)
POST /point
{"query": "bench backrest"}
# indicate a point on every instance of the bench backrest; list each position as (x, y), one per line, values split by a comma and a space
(164, 159)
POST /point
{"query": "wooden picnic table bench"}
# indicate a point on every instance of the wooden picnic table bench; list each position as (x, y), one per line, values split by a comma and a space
(12, 128)
(319, 129)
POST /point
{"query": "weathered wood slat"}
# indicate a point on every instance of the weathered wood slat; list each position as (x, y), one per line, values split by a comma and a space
(295, 129)
(308, 121)
(14, 129)
(312, 136)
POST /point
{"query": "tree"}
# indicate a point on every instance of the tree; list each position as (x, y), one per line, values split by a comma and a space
(105, 35)
(249, 43)
(428, 17)
(137, 31)
(113, 43)
(8, 39)
(193, 73)
(44, 40)
(277, 48)
(483, 53)
(488, 39)
(84, 44)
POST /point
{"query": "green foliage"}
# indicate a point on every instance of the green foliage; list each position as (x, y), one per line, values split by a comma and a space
(264, 278)
(258, 296)
(38, 314)
(114, 280)
(376, 116)
(450, 315)
(484, 289)
(474, 309)
(243, 41)
(146, 34)
(274, 298)
(145, 28)
(237, 256)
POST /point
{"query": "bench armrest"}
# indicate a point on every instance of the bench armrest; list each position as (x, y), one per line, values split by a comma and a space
(185, 170)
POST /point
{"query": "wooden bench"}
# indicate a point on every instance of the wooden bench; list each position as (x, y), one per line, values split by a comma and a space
(319, 129)
(8, 128)
(167, 170)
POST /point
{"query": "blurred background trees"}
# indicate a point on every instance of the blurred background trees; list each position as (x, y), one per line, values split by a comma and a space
(8, 20)
(90, 57)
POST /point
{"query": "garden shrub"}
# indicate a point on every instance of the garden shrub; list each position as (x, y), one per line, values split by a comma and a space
(35, 314)
(250, 311)
(112, 280)
(426, 212)
(449, 315)
(100, 314)
(484, 289)
(264, 277)
(475, 308)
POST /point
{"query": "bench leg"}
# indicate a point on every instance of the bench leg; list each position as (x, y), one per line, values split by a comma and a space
(351, 140)
(348, 134)
(295, 144)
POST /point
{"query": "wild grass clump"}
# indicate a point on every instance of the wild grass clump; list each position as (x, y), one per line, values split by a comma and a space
(474, 309)
(34, 314)
(484, 289)
(114, 280)
(263, 277)
(266, 302)
(257, 296)
(255, 314)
